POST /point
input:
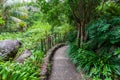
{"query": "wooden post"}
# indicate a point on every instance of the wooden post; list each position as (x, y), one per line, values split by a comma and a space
(51, 40)
(55, 39)
(48, 38)
(44, 45)
(58, 38)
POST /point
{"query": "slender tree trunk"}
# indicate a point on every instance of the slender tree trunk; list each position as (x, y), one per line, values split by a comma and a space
(81, 38)
(86, 37)
(79, 35)
(82, 32)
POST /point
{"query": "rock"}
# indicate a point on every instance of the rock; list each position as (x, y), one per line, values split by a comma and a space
(23, 56)
(9, 48)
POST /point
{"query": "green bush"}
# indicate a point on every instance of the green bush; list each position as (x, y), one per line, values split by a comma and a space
(111, 8)
(1, 21)
(63, 29)
(31, 37)
(104, 66)
(100, 55)
(18, 72)
(29, 70)
(104, 32)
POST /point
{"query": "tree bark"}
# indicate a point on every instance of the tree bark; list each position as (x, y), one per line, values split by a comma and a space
(79, 35)
(82, 32)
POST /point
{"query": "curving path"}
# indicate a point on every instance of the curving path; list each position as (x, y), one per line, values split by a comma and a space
(62, 68)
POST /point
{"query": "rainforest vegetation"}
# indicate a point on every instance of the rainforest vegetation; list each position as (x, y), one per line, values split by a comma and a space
(91, 29)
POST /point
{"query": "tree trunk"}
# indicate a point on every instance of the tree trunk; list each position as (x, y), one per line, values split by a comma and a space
(82, 32)
(79, 35)
(86, 37)
(82, 35)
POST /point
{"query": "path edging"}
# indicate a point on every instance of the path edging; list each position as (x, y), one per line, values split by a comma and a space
(47, 59)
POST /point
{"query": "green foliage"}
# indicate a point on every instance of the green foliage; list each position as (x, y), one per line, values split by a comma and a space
(22, 26)
(63, 29)
(30, 40)
(31, 37)
(37, 57)
(98, 66)
(54, 11)
(29, 70)
(109, 8)
(16, 14)
(30, 27)
(100, 57)
(1, 21)
(71, 36)
(17, 71)
(104, 32)
(33, 17)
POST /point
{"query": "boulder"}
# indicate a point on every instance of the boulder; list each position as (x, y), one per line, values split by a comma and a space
(27, 53)
(9, 48)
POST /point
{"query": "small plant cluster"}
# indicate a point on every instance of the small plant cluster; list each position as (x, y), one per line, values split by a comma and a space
(1, 21)
(29, 70)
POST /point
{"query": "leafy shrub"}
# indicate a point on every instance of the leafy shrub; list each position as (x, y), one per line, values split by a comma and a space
(1, 21)
(63, 29)
(31, 37)
(98, 66)
(22, 24)
(100, 56)
(17, 71)
(29, 70)
(104, 32)
(37, 57)
(30, 40)
(71, 36)
(67, 31)
(109, 8)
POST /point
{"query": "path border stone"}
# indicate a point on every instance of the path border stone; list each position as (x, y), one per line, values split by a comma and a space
(47, 60)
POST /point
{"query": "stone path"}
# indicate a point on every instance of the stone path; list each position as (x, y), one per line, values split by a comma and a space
(62, 68)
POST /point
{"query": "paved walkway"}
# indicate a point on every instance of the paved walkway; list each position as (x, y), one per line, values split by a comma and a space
(62, 68)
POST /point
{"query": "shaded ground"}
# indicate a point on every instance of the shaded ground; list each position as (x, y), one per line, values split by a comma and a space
(62, 68)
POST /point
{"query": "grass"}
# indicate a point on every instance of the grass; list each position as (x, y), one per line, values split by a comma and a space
(30, 39)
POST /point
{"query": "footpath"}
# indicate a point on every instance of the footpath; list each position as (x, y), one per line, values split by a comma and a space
(62, 68)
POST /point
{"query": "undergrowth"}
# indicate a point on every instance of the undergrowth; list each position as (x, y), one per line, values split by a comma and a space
(30, 39)
(98, 66)
(99, 57)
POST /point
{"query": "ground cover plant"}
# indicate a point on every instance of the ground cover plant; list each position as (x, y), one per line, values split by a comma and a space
(30, 39)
